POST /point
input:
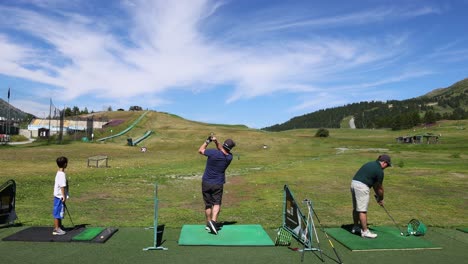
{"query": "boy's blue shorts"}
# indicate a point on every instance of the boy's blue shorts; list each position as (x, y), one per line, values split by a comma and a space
(58, 210)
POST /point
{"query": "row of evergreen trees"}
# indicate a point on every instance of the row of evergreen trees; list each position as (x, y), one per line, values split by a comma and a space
(391, 114)
(75, 111)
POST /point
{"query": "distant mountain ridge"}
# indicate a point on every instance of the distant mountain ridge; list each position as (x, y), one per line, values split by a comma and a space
(455, 89)
(15, 113)
(441, 103)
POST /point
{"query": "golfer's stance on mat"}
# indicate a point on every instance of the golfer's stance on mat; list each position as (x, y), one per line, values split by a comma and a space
(369, 175)
(214, 178)
(60, 196)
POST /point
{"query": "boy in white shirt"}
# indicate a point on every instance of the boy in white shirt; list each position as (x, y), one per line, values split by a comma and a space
(60, 196)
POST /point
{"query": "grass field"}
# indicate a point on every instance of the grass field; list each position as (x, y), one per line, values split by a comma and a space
(427, 182)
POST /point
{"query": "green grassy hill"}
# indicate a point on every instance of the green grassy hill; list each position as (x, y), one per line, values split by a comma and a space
(444, 103)
(428, 181)
(455, 90)
(14, 112)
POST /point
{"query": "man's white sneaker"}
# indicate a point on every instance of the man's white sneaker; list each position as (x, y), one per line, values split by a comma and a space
(368, 234)
(356, 229)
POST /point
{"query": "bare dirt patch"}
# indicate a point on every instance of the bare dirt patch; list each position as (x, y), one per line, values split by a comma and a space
(459, 175)
(343, 150)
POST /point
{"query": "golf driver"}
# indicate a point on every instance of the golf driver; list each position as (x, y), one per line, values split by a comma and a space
(377, 199)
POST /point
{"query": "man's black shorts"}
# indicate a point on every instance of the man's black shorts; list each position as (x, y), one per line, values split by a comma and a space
(212, 194)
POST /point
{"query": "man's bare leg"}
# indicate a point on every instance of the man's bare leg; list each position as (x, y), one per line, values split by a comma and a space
(215, 212)
(363, 219)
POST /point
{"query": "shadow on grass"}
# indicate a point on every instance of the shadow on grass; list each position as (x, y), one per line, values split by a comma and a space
(158, 240)
(349, 227)
(11, 225)
(223, 223)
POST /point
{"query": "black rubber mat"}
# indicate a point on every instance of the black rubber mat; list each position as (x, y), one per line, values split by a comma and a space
(44, 234)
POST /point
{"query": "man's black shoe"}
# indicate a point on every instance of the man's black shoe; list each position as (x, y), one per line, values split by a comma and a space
(213, 227)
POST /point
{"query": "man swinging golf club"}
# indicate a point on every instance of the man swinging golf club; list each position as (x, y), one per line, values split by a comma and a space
(214, 178)
(369, 175)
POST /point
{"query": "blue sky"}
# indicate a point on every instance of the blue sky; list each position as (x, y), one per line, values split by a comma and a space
(256, 63)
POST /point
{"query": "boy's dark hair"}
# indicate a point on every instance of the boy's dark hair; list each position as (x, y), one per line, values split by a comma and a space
(62, 161)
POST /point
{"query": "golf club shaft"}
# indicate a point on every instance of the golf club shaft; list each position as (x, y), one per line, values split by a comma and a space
(377, 199)
(68, 212)
(401, 233)
(329, 240)
(302, 253)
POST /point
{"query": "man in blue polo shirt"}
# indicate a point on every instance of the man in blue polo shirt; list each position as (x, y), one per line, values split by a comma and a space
(214, 178)
(369, 175)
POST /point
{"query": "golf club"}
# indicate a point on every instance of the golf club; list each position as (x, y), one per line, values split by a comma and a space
(329, 240)
(401, 233)
(69, 216)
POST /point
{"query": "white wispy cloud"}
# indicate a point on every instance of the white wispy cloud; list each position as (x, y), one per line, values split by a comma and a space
(169, 50)
(370, 16)
(158, 46)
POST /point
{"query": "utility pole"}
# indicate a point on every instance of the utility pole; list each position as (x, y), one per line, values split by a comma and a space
(50, 116)
(8, 114)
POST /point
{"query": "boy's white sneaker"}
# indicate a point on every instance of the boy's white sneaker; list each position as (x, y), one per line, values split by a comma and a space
(58, 232)
(368, 234)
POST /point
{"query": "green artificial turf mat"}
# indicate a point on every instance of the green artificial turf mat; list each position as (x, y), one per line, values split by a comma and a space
(389, 238)
(88, 234)
(229, 235)
(463, 229)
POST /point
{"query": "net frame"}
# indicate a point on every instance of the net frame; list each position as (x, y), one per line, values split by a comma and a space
(58, 116)
(294, 220)
(8, 203)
